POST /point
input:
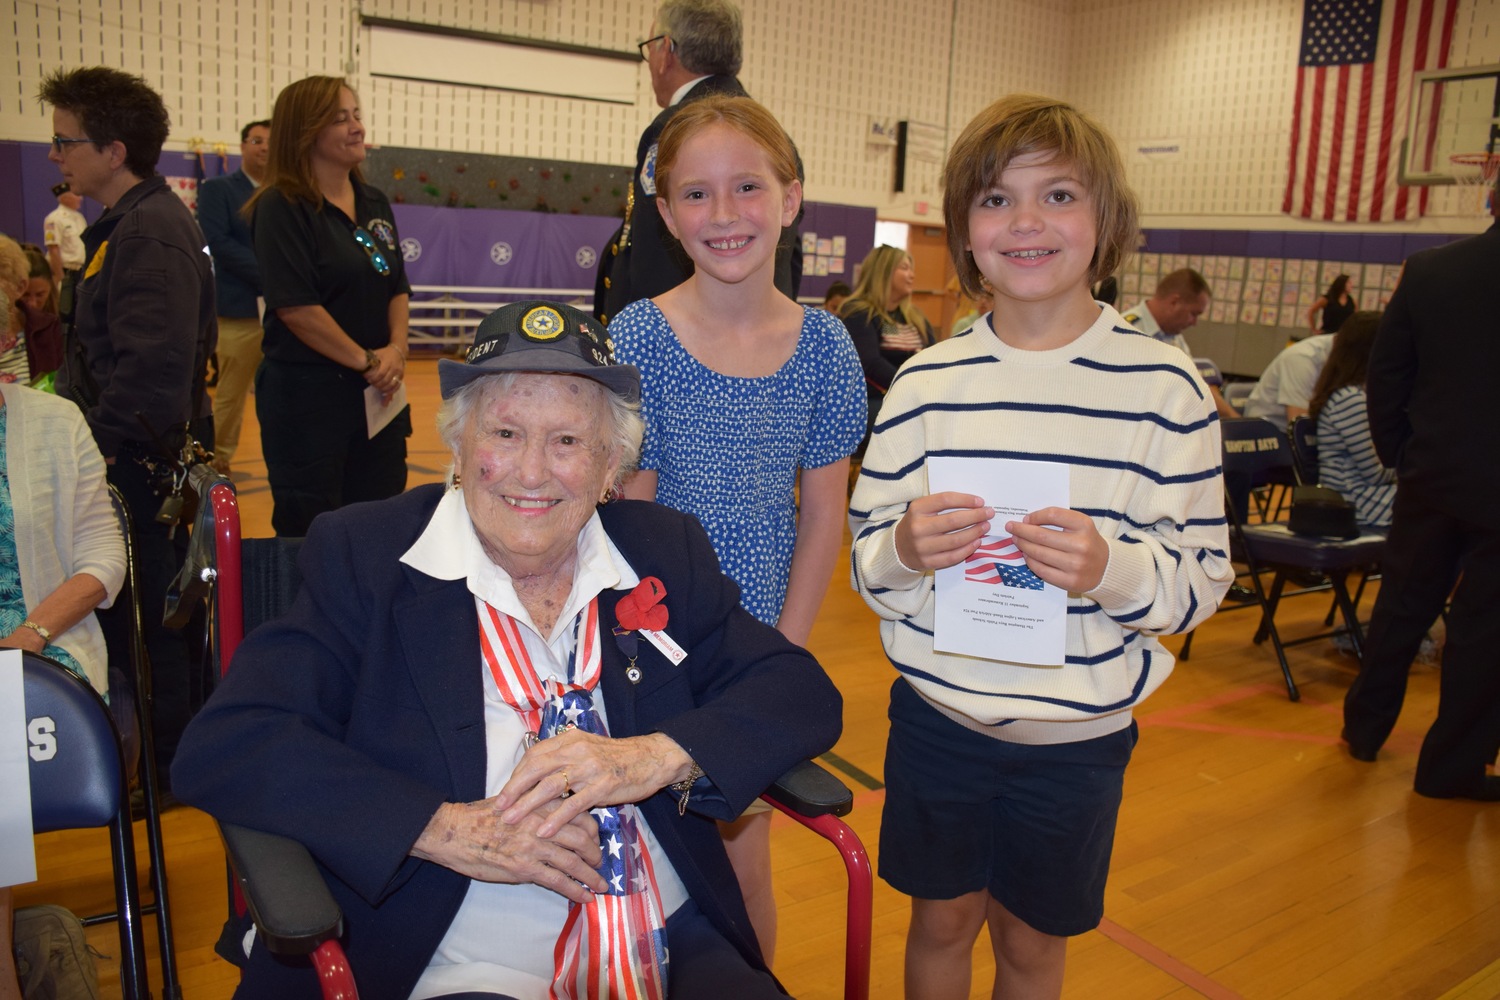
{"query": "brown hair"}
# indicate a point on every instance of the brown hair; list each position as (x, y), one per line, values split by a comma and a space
(742, 114)
(113, 106)
(1348, 358)
(303, 109)
(1337, 289)
(1026, 123)
(1184, 282)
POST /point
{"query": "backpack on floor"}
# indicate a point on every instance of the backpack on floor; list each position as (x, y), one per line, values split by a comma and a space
(53, 961)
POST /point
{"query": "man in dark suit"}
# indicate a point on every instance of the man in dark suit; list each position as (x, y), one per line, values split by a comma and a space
(237, 281)
(1433, 367)
(694, 50)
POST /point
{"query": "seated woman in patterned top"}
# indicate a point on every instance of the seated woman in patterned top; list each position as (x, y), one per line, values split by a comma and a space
(1346, 455)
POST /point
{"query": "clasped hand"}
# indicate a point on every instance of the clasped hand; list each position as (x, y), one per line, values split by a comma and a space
(1061, 546)
(538, 828)
(389, 370)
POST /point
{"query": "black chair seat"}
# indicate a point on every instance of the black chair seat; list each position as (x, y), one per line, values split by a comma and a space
(1257, 452)
(1278, 545)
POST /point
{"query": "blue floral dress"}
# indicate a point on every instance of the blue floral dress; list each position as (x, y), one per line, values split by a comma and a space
(12, 601)
(727, 449)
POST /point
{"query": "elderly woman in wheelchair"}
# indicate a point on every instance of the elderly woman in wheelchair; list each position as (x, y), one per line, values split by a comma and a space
(503, 715)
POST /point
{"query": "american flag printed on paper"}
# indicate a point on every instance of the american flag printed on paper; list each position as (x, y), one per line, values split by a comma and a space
(1353, 84)
(999, 561)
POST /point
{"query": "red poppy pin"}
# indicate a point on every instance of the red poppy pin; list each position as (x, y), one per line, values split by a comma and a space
(642, 608)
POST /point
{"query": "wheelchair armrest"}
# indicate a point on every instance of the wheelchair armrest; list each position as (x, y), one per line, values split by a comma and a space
(811, 790)
(287, 897)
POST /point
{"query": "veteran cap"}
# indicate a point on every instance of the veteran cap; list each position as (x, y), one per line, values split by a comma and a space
(536, 336)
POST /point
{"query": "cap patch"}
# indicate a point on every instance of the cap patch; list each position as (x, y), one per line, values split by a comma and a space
(542, 324)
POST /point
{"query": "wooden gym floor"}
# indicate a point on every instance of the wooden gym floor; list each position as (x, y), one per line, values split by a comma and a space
(1254, 858)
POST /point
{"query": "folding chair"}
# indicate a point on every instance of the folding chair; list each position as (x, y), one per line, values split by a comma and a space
(281, 885)
(143, 765)
(1209, 372)
(1304, 436)
(1254, 450)
(1235, 393)
(78, 781)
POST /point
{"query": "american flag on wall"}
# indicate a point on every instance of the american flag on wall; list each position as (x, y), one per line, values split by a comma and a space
(1353, 81)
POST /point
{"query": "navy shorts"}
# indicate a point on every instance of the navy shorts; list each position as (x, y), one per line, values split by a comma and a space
(1034, 825)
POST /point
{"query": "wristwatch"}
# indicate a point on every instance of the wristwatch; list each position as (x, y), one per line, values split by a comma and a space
(370, 361)
(47, 635)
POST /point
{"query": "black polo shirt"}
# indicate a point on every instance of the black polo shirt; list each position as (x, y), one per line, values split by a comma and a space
(308, 256)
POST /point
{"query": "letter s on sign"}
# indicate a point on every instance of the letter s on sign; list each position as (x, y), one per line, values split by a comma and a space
(40, 732)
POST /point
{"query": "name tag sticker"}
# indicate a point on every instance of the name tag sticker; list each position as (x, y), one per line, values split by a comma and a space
(665, 645)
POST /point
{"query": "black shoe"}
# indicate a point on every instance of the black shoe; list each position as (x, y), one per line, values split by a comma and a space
(1356, 751)
(1487, 789)
(1239, 594)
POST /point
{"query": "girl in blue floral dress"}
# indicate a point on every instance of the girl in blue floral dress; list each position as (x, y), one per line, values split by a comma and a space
(745, 393)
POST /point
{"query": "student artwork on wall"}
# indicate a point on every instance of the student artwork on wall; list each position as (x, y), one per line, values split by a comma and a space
(824, 255)
(1278, 291)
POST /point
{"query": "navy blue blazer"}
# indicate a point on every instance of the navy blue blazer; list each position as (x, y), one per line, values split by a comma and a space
(347, 723)
(235, 274)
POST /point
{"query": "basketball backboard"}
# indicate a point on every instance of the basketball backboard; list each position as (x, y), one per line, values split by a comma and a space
(1450, 112)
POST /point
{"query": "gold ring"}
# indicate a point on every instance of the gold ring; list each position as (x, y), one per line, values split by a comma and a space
(567, 785)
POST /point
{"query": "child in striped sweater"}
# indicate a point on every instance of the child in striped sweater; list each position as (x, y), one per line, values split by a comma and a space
(1004, 778)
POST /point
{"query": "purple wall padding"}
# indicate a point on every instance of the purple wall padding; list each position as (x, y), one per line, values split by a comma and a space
(484, 247)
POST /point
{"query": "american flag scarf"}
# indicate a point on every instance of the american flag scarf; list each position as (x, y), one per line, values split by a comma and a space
(614, 946)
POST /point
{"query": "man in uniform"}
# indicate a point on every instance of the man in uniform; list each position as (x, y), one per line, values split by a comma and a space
(63, 234)
(1180, 298)
(693, 51)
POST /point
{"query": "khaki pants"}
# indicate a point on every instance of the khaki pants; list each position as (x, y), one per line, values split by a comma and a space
(239, 356)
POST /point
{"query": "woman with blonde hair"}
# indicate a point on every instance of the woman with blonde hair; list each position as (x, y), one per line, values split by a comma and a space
(336, 311)
(884, 325)
(30, 338)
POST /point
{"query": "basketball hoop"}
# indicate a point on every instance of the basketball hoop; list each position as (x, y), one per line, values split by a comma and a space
(1477, 177)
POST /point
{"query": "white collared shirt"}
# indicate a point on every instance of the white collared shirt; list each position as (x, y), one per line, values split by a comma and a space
(1144, 320)
(502, 937)
(681, 92)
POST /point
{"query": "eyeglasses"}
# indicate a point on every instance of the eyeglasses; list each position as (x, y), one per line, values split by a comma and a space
(642, 46)
(377, 259)
(58, 142)
(257, 141)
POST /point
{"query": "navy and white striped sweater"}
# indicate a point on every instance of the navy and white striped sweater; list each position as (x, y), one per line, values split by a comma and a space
(1134, 421)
